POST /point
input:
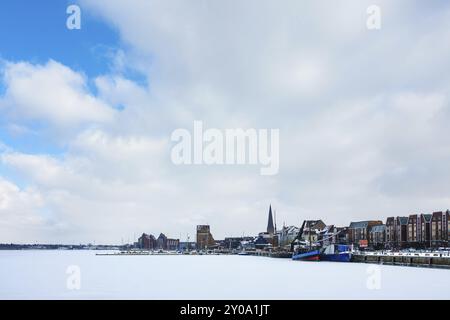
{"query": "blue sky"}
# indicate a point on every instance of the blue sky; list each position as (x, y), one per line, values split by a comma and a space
(35, 31)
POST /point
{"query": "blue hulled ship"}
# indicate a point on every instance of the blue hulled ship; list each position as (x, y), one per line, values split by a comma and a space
(337, 253)
(306, 255)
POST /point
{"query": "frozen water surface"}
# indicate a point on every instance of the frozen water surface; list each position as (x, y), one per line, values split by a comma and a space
(43, 275)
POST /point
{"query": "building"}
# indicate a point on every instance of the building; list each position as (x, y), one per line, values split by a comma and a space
(147, 242)
(262, 242)
(396, 232)
(270, 238)
(270, 235)
(270, 225)
(234, 243)
(425, 230)
(401, 232)
(377, 236)
(413, 232)
(248, 244)
(161, 242)
(333, 235)
(390, 233)
(286, 235)
(312, 230)
(205, 239)
(342, 235)
(418, 231)
(439, 229)
(173, 244)
(186, 246)
(447, 217)
(358, 232)
(164, 243)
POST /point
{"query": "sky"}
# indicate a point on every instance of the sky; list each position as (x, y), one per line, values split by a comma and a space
(86, 115)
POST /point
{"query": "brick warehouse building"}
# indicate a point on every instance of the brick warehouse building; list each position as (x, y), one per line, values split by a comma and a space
(413, 232)
(425, 230)
(402, 232)
(205, 239)
(390, 235)
(149, 242)
(396, 232)
(377, 236)
(164, 243)
(439, 229)
(418, 231)
(358, 232)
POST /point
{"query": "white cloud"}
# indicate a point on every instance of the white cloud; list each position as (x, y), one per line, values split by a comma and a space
(52, 93)
(19, 213)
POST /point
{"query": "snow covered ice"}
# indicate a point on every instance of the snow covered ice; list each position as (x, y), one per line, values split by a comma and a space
(30, 274)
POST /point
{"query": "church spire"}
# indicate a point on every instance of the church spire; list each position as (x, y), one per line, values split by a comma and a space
(270, 227)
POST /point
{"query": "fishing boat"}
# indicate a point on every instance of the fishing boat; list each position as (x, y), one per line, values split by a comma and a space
(337, 253)
(305, 250)
(310, 249)
(306, 254)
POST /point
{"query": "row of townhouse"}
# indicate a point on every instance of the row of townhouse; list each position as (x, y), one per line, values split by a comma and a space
(418, 230)
(414, 231)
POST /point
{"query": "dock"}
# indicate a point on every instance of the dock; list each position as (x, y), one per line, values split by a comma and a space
(138, 253)
(413, 260)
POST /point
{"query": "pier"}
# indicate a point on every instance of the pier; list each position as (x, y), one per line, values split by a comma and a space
(432, 260)
(427, 260)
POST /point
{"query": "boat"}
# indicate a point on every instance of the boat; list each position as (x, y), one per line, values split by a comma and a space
(305, 250)
(337, 253)
(306, 254)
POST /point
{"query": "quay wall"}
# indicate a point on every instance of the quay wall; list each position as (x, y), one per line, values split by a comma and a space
(419, 261)
(275, 254)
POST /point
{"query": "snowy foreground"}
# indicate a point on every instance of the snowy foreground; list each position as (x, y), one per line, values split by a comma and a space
(57, 274)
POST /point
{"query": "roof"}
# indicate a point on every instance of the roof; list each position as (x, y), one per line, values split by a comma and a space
(290, 229)
(403, 220)
(359, 224)
(426, 217)
(270, 227)
(261, 240)
(162, 235)
(313, 224)
(438, 213)
(148, 236)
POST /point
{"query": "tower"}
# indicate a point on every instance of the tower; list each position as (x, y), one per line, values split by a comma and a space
(270, 227)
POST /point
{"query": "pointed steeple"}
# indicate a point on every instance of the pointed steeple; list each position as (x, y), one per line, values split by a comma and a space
(275, 219)
(270, 227)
